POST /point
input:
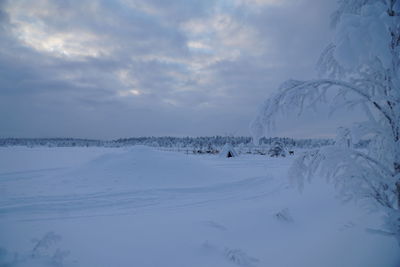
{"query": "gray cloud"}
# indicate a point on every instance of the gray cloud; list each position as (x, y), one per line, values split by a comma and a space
(108, 69)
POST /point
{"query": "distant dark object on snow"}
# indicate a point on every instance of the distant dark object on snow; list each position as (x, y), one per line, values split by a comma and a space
(228, 151)
(277, 150)
(284, 216)
(291, 152)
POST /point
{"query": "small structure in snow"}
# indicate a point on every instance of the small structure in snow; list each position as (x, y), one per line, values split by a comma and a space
(228, 151)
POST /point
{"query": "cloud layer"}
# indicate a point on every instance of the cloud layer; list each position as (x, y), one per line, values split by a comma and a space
(108, 69)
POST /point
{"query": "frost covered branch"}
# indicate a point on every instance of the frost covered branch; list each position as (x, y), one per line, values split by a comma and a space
(362, 68)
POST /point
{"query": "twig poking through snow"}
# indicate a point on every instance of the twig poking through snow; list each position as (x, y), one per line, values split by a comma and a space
(284, 216)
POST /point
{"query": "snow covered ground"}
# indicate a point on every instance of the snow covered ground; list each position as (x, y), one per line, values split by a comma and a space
(143, 207)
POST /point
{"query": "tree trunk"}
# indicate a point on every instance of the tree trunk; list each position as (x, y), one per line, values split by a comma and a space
(397, 176)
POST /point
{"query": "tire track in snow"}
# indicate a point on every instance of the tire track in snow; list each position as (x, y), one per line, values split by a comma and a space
(108, 202)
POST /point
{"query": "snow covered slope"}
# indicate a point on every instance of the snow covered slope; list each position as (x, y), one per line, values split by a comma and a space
(143, 207)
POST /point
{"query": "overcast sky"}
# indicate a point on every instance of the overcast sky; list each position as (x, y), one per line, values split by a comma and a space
(110, 69)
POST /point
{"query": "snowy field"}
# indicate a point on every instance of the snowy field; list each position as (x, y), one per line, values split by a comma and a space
(143, 207)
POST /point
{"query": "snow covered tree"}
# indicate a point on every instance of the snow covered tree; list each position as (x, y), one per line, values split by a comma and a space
(277, 150)
(361, 68)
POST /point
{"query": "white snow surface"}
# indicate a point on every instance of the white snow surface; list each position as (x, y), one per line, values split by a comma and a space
(143, 207)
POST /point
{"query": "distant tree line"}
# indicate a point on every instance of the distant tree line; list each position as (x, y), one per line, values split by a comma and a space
(199, 143)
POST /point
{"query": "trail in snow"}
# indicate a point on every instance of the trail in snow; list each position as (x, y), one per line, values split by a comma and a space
(89, 204)
(129, 181)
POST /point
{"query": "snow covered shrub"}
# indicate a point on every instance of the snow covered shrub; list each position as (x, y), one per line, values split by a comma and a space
(44, 253)
(239, 257)
(361, 66)
(45, 250)
(277, 150)
(41, 246)
(284, 216)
